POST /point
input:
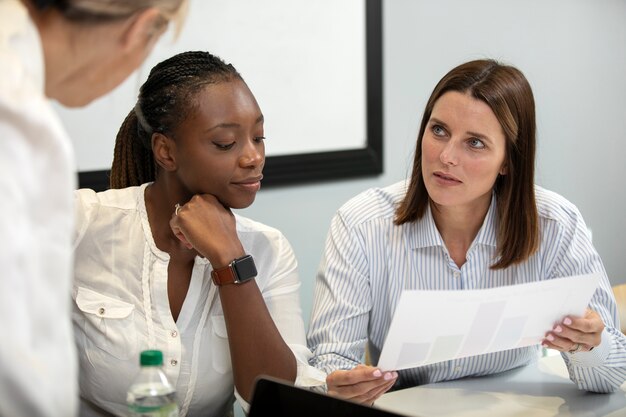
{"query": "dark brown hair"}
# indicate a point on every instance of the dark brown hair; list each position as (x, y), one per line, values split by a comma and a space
(165, 100)
(507, 92)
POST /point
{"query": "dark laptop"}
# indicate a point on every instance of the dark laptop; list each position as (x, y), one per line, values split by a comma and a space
(276, 398)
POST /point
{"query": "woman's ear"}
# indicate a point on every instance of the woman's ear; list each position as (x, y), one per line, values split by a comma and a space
(504, 169)
(164, 149)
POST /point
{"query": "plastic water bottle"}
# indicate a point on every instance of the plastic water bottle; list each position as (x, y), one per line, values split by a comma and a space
(151, 394)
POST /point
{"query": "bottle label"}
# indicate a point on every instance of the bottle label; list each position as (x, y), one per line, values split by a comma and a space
(169, 410)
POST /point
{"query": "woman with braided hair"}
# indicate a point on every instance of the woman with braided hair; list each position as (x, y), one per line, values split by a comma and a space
(162, 262)
(71, 51)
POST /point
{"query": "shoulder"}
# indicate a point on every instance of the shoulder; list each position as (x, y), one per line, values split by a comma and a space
(257, 233)
(102, 210)
(553, 207)
(123, 199)
(247, 225)
(270, 248)
(373, 204)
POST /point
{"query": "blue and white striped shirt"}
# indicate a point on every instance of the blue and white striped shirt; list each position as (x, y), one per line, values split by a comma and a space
(368, 262)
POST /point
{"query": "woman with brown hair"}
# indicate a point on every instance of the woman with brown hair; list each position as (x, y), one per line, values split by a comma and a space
(470, 217)
(71, 51)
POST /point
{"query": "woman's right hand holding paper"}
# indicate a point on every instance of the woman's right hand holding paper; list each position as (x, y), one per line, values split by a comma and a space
(362, 384)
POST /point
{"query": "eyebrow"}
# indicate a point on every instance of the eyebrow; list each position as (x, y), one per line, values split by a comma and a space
(259, 119)
(476, 134)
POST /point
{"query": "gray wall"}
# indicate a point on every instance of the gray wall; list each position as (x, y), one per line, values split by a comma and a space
(574, 54)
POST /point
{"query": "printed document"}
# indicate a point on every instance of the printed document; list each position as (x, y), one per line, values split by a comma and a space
(434, 326)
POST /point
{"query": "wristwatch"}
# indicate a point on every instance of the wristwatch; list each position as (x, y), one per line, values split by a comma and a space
(237, 272)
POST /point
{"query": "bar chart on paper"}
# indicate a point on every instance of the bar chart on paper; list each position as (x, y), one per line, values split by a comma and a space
(434, 326)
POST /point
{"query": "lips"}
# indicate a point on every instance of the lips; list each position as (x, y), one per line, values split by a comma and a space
(250, 184)
(446, 177)
(252, 180)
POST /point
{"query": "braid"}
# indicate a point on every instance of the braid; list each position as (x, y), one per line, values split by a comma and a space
(165, 100)
(133, 163)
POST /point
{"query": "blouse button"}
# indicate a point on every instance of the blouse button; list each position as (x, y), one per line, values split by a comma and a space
(173, 362)
(101, 311)
(173, 333)
(457, 274)
(457, 369)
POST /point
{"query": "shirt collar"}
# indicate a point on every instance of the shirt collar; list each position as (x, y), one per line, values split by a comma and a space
(488, 231)
(147, 231)
(424, 233)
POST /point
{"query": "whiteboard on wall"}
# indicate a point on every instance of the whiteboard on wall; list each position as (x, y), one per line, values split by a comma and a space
(305, 61)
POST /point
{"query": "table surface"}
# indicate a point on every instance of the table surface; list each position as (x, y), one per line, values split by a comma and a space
(541, 389)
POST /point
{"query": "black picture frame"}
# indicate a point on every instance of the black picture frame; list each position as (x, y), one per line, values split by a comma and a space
(292, 169)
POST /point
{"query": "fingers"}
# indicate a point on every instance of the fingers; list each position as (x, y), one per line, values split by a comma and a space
(182, 238)
(574, 331)
(371, 396)
(201, 205)
(176, 229)
(363, 392)
(590, 323)
(204, 224)
(565, 345)
(363, 384)
(564, 334)
(360, 373)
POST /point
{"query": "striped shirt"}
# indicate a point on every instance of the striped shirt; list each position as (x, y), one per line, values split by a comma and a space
(368, 261)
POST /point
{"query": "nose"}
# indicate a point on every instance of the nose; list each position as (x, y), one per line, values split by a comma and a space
(253, 154)
(449, 154)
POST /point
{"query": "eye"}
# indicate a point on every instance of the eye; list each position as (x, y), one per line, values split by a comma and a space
(259, 139)
(223, 146)
(438, 130)
(476, 143)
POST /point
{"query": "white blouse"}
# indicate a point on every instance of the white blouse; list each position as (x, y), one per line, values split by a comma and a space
(38, 366)
(121, 308)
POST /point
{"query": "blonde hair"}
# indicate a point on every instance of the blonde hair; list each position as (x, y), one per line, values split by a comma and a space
(102, 10)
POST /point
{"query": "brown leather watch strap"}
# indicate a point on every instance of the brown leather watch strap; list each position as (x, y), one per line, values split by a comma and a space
(238, 271)
(224, 275)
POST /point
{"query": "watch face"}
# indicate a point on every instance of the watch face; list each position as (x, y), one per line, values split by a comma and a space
(245, 268)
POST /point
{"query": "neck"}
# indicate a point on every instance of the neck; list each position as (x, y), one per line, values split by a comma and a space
(459, 226)
(161, 198)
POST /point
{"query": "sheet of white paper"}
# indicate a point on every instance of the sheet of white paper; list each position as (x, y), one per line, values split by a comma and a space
(434, 326)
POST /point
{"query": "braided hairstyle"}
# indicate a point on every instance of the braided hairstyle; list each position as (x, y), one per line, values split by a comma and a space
(165, 100)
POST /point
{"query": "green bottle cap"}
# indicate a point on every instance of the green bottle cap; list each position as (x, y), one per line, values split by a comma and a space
(151, 358)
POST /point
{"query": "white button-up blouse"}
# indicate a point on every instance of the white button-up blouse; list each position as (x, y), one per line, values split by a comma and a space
(38, 366)
(121, 308)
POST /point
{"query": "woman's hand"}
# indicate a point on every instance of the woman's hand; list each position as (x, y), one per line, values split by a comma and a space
(205, 225)
(363, 384)
(576, 334)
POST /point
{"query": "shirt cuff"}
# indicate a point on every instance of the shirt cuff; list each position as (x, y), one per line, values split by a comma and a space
(307, 375)
(243, 403)
(595, 357)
